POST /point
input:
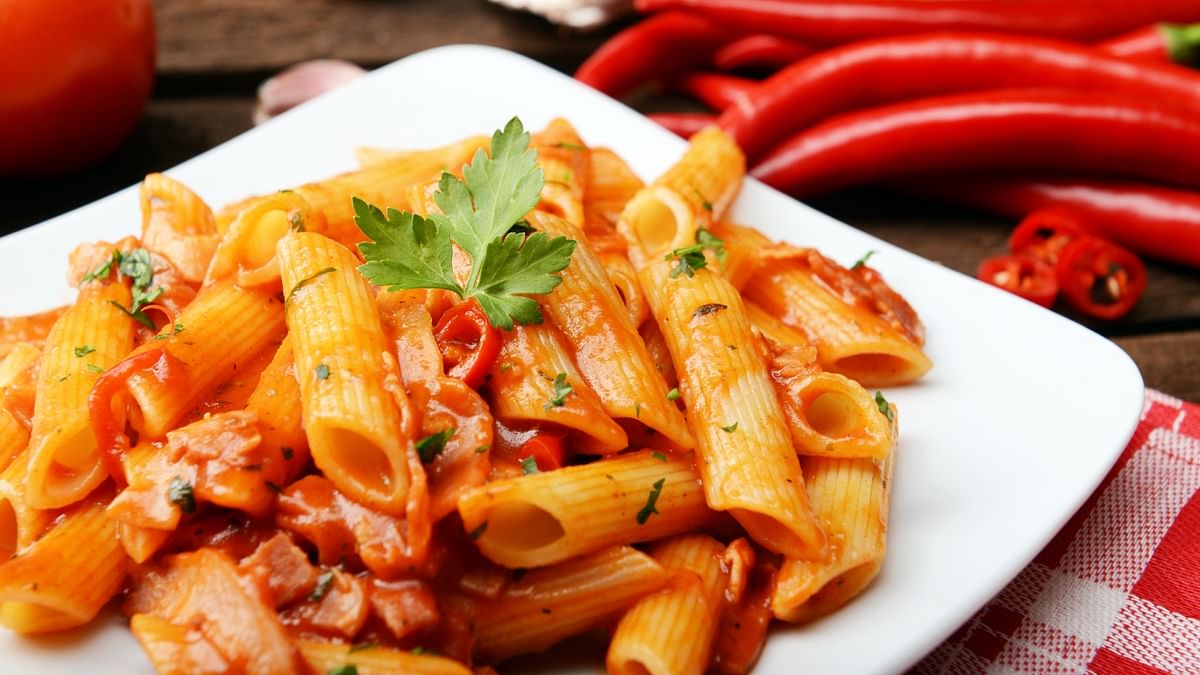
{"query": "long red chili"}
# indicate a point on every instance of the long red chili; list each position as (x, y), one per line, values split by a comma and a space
(1160, 43)
(657, 48)
(913, 66)
(683, 124)
(1006, 129)
(766, 52)
(840, 21)
(715, 90)
(1157, 221)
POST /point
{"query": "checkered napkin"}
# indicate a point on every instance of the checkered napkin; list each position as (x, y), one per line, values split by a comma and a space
(1118, 590)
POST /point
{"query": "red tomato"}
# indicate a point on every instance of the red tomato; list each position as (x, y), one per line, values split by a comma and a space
(1027, 277)
(546, 449)
(1044, 233)
(468, 342)
(74, 79)
(1099, 278)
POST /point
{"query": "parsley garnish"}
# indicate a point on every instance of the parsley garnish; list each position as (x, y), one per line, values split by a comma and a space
(103, 270)
(863, 260)
(179, 493)
(673, 395)
(730, 429)
(569, 146)
(649, 509)
(322, 371)
(431, 446)
(482, 449)
(94, 368)
(659, 456)
(884, 408)
(83, 350)
(308, 280)
(408, 251)
(324, 583)
(362, 647)
(136, 266)
(691, 258)
(417, 651)
(478, 532)
(529, 465)
(347, 669)
(562, 389)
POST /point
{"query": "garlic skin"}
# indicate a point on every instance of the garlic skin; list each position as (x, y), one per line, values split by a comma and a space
(578, 14)
(296, 84)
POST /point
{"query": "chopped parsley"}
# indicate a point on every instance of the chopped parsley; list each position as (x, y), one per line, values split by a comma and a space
(322, 371)
(93, 368)
(345, 669)
(137, 267)
(362, 647)
(83, 350)
(296, 221)
(324, 583)
(308, 280)
(708, 308)
(884, 408)
(673, 395)
(478, 532)
(406, 250)
(562, 389)
(730, 429)
(431, 446)
(691, 258)
(529, 465)
(659, 456)
(863, 260)
(482, 449)
(569, 146)
(707, 205)
(649, 509)
(180, 493)
(417, 651)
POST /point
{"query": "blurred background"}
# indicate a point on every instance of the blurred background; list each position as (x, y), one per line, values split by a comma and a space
(211, 56)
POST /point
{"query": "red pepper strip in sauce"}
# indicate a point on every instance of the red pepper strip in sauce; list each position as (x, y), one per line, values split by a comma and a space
(1043, 234)
(683, 124)
(468, 342)
(765, 52)
(106, 403)
(713, 89)
(657, 48)
(908, 67)
(546, 448)
(839, 21)
(1021, 275)
(1099, 278)
(1156, 221)
(1160, 43)
(1011, 130)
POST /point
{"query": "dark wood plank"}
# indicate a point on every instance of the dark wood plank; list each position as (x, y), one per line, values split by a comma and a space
(1170, 362)
(205, 37)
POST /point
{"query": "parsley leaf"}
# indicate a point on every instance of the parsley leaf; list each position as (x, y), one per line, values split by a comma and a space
(649, 508)
(324, 583)
(135, 265)
(362, 647)
(863, 260)
(529, 465)
(884, 408)
(691, 258)
(306, 281)
(83, 350)
(103, 270)
(431, 446)
(93, 368)
(673, 395)
(659, 456)
(562, 389)
(478, 532)
(179, 493)
(478, 214)
(322, 371)
(346, 669)
(730, 429)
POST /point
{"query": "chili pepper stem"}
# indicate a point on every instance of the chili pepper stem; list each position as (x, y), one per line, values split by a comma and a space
(1182, 42)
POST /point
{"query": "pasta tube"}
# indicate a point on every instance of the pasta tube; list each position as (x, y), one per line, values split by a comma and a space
(178, 225)
(326, 657)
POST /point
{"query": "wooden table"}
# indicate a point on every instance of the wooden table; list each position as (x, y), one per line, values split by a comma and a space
(213, 53)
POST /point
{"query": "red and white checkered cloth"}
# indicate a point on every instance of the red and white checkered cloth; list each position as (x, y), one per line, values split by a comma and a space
(1118, 589)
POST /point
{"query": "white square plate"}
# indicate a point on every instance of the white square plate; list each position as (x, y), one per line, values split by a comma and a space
(1021, 417)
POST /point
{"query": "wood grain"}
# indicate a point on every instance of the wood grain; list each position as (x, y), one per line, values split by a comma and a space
(1170, 362)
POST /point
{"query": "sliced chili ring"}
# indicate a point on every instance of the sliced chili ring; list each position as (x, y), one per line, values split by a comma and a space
(547, 448)
(1044, 234)
(1021, 275)
(1099, 278)
(468, 342)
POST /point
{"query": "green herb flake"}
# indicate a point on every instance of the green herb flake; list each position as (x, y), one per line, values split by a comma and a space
(529, 466)
(482, 449)
(83, 350)
(362, 647)
(692, 258)
(659, 456)
(431, 446)
(570, 146)
(730, 429)
(562, 389)
(104, 270)
(673, 395)
(324, 583)
(308, 280)
(478, 532)
(649, 509)
(863, 260)
(322, 371)
(93, 368)
(180, 493)
(884, 408)
(406, 250)
(344, 669)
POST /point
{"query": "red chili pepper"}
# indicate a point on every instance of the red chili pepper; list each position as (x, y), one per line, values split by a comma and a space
(658, 48)
(906, 67)
(839, 21)
(1156, 221)
(1012, 130)
(1160, 43)
(547, 448)
(1021, 275)
(1099, 278)
(766, 52)
(714, 90)
(683, 124)
(1044, 233)
(468, 342)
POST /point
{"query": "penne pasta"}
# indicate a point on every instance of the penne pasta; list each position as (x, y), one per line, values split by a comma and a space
(31, 329)
(246, 253)
(178, 225)
(325, 657)
(20, 524)
(544, 518)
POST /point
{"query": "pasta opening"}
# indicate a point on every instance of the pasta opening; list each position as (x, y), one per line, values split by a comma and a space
(355, 457)
(832, 414)
(837, 591)
(871, 368)
(77, 451)
(8, 529)
(259, 245)
(523, 526)
(655, 227)
(632, 667)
